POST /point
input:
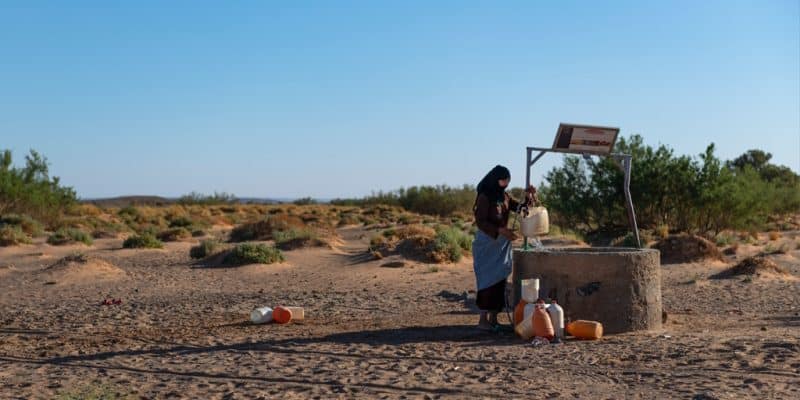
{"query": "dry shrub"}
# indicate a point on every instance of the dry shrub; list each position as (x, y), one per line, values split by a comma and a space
(731, 251)
(756, 265)
(422, 243)
(683, 248)
(264, 229)
(174, 235)
(89, 209)
(774, 235)
(348, 219)
(662, 231)
(407, 231)
(298, 238)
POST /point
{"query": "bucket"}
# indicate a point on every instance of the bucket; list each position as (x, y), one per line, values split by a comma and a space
(536, 223)
(530, 290)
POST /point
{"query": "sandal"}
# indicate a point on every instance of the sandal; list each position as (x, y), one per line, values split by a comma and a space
(500, 328)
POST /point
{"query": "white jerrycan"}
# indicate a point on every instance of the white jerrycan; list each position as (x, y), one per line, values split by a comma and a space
(536, 223)
(557, 317)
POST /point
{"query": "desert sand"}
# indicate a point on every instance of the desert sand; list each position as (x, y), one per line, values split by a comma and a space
(402, 330)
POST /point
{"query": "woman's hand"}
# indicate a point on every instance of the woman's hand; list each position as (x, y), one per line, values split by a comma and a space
(530, 194)
(508, 234)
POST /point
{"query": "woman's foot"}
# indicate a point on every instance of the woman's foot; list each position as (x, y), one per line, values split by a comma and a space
(484, 324)
(496, 325)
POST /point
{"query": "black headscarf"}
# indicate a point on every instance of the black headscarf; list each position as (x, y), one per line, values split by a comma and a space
(489, 187)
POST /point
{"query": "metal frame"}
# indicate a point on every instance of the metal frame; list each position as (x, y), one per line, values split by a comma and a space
(622, 160)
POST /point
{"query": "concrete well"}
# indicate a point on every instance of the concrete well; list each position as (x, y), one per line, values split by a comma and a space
(619, 287)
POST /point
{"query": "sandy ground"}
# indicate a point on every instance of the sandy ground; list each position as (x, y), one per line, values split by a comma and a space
(371, 331)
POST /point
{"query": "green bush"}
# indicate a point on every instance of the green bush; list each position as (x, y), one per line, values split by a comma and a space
(305, 201)
(129, 213)
(69, 235)
(295, 238)
(30, 190)
(195, 198)
(205, 248)
(441, 200)
(252, 253)
(264, 229)
(28, 225)
(699, 195)
(145, 241)
(450, 243)
(181, 222)
(629, 240)
(293, 234)
(11, 235)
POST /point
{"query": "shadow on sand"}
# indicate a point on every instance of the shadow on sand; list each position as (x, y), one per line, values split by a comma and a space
(302, 346)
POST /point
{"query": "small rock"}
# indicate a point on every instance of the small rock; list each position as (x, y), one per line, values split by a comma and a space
(763, 328)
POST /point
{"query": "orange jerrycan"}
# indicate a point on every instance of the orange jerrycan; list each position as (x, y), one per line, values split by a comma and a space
(582, 329)
(542, 326)
(519, 312)
(281, 315)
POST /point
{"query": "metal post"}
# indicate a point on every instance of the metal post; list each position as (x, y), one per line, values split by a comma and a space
(626, 164)
(528, 165)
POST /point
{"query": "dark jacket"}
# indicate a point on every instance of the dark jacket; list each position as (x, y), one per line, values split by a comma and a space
(491, 217)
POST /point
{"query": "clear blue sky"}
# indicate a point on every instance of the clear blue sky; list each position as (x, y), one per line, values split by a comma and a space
(332, 99)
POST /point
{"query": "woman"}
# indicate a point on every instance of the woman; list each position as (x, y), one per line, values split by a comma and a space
(491, 249)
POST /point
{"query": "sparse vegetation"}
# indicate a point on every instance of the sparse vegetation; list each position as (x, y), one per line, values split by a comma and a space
(94, 392)
(31, 191)
(69, 235)
(628, 240)
(295, 238)
(253, 253)
(174, 235)
(700, 195)
(205, 248)
(724, 239)
(145, 241)
(28, 225)
(181, 222)
(11, 235)
(782, 248)
(264, 229)
(217, 198)
(441, 200)
(450, 244)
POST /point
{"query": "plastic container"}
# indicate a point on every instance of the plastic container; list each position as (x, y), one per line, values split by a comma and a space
(261, 315)
(524, 329)
(298, 313)
(588, 330)
(542, 326)
(281, 315)
(556, 314)
(519, 311)
(536, 223)
(530, 290)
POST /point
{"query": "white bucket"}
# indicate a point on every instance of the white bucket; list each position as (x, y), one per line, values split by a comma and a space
(261, 315)
(536, 223)
(530, 290)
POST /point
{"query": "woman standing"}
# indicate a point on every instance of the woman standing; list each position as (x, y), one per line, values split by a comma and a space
(491, 249)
